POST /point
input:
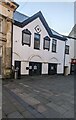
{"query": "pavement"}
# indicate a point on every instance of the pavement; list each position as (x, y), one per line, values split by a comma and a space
(38, 97)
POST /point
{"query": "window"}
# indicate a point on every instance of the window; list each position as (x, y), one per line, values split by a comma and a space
(26, 37)
(54, 44)
(66, 49)
(36, 41)
(46, 43)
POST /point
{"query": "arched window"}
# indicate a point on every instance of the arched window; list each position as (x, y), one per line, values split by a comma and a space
(46, 44)
(26, 37)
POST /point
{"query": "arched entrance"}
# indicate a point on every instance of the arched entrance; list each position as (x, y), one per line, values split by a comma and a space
(52, 66)
(35, 65)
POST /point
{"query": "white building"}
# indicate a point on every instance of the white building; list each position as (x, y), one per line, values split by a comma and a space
(70, 59)
(37, 49)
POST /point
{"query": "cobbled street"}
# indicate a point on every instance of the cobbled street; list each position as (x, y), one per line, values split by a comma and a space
(42, 96)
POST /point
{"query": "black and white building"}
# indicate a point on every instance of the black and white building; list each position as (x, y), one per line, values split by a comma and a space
(37, 49)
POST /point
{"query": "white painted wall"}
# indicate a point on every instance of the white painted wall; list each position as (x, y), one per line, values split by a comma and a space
(26, 53)
(68, 58)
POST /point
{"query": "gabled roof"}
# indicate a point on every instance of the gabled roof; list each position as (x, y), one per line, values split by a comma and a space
(72, 34)
(19, 17)
(22, 20)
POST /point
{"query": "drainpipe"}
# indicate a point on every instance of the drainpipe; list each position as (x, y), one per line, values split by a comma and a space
(64, 57)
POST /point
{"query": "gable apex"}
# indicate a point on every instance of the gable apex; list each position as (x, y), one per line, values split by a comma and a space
(41, 17)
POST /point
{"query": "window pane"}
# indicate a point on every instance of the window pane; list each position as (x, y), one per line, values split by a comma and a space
(37, 36)
(36, 41)
(54, 48)
(67, 49)
(54, 44)
(26, 38)
(47, 44)
(54, 41)
(36, 44)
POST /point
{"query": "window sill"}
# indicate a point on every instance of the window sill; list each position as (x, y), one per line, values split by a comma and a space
(37, 48)
(54, 52)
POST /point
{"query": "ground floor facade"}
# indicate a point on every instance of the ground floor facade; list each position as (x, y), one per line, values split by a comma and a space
(37, 68)
(73, 66)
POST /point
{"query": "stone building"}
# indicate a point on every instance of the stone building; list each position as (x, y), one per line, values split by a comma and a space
(7, 9)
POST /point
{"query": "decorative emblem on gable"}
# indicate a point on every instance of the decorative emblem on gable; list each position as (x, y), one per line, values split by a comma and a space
(37, 28)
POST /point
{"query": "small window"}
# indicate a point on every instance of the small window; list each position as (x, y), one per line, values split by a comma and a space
(46, 43)
(66, 49)
(36, 41)
(54, 44)
(26, 37)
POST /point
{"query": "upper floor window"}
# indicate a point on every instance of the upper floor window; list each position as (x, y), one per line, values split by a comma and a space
(46, 44)
(54, 45)
(36, 41)
(66, 49)
(26, 37)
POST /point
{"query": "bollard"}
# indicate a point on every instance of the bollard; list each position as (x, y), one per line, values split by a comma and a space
(16, 74)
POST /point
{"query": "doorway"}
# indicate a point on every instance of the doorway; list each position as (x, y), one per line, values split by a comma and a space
(35, 68)
(18, 66)
(52, 68)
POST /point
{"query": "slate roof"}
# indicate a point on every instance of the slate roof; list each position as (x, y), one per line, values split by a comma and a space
(22, 20)
(19, 17)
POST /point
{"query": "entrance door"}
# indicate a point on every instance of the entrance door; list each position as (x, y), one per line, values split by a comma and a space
(0, 65)
(18, 66)
(52, 69)
(35, 68)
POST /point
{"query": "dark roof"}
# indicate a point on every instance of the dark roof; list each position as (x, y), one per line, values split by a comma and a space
(22, 20)
(19, 17)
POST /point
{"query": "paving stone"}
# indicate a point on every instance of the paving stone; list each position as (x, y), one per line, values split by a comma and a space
(42, 99)
(31, 101)
(51, 113)
(27, 114)
(8, 108)
(23, 95)
(15, 115)
(19, 107)
(40, 108)
(57, 108)
(69, 114)
(68, 106)
(3, 115)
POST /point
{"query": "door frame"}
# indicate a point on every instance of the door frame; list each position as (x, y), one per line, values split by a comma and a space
(19, 72)
(33, 65)
(49, 68)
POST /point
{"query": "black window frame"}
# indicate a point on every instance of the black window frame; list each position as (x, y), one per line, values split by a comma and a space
(54, 45)
(67, 50)
(46, 39)
(36, 40)
(26, 31)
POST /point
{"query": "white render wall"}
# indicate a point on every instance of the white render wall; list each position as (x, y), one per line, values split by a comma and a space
(26, 53)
